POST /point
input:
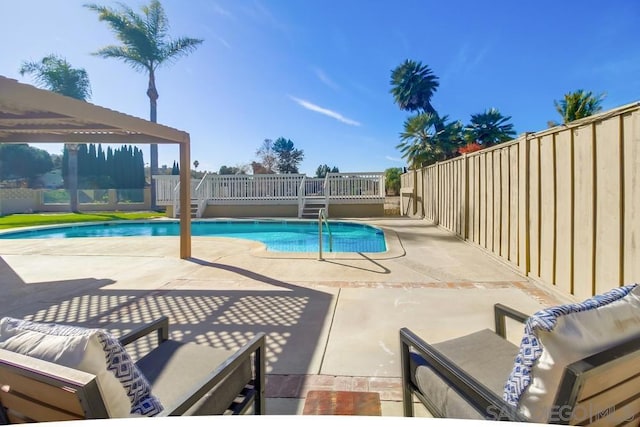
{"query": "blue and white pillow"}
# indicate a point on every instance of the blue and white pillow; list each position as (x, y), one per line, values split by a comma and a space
(124, 388)
(558, 336)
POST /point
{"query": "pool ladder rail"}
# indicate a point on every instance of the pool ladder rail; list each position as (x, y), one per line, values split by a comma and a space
(322, 218)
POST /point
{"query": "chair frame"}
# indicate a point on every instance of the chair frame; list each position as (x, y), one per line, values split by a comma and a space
(90, 402)
(254, 392)
(485, 401)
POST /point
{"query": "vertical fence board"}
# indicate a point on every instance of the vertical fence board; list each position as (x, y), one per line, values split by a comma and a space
(457, 171)
(454, 195)
(483, 200)
(547, 209)
(497, 200)
(608, 213)
(471, 212)
(631, 233)
(490, 197)
(584, 215)
(450, 194)
(564, 213)
(505, 208)
(514, 212)
(524, 168)
(464, 197)
(534, 206)
(476, 198)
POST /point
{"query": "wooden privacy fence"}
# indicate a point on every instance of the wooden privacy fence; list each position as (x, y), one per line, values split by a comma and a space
(562, 205)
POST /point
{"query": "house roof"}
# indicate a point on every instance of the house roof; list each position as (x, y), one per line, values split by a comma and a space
(29, 115)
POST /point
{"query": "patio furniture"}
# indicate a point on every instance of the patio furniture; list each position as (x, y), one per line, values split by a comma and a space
(186, 379)
(577, 364)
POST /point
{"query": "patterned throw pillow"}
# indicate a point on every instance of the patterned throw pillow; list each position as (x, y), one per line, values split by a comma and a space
(558, 336)
(124, 388)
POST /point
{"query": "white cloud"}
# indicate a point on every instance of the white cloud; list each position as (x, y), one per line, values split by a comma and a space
(325, 79)
(221, 11)
(394, 159)
(223, 42)
(333, 114)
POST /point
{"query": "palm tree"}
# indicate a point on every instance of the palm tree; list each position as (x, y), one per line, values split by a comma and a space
(57, 75)
(489, 128)
(413, 85)
(423, 144)
(145, 46)
(579, 104)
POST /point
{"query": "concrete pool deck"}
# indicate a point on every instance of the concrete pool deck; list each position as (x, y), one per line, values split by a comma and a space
(330, 324)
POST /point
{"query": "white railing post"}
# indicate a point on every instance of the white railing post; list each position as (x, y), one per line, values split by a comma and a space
(301, 194)
(326, 190)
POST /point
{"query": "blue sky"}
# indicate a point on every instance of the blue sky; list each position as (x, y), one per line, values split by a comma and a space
(317, 72)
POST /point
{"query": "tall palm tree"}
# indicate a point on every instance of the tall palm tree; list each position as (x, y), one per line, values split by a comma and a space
(579, 104)
(57, 75)
(413, 85)
(145, 45)
(489, 128)
(423, 144)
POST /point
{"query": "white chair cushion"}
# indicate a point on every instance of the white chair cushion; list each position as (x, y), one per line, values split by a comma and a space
(124, 389)
(558, 336)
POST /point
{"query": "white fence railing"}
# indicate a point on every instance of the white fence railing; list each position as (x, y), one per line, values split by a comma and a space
(268, 188)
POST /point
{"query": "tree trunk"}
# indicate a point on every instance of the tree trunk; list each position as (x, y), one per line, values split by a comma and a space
(438, 124)
(152, 93)
(72, 149)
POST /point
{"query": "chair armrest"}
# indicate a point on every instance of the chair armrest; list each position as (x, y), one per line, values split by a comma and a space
(489, 404)
(501, 312)
(256, 346)
(161, 325)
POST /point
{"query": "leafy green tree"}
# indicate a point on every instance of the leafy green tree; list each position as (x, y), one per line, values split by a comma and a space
(145, 45)
(288, 157)
(229, 170)
(577, 105)
(323, 170)
(489, 128)
(392, 180)
(412, 86)
(22, 161)
(57, 75)
(423, 144)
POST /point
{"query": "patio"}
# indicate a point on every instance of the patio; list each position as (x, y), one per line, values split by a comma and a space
(330, 325)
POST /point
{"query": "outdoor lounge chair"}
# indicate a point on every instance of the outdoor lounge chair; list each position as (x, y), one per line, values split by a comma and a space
(577, 364)
(188, 379)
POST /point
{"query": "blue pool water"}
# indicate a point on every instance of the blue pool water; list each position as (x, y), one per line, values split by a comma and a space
(279, 236)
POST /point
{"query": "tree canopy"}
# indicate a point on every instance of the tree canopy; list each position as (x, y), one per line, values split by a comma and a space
(578, 104)
(22, 161)
(323, 170)
(57, 75)
(489, 128)
(288, 157)
(428, 137)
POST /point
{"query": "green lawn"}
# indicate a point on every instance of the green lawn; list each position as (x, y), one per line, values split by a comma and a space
(28, 220)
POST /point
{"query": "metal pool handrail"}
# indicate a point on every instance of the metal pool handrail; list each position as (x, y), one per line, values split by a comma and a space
(322, 217)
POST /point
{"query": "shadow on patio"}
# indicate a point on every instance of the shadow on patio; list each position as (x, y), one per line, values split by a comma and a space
(294, 318)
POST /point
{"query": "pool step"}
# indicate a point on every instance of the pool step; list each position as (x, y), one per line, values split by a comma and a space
(312, 206)
(193, 209)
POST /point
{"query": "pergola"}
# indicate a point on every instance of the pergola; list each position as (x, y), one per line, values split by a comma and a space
(32, 115)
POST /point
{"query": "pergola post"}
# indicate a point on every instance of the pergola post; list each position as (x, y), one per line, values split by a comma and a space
(185, 200)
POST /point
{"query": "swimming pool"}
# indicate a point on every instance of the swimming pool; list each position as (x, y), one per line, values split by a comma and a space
(278, 236)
